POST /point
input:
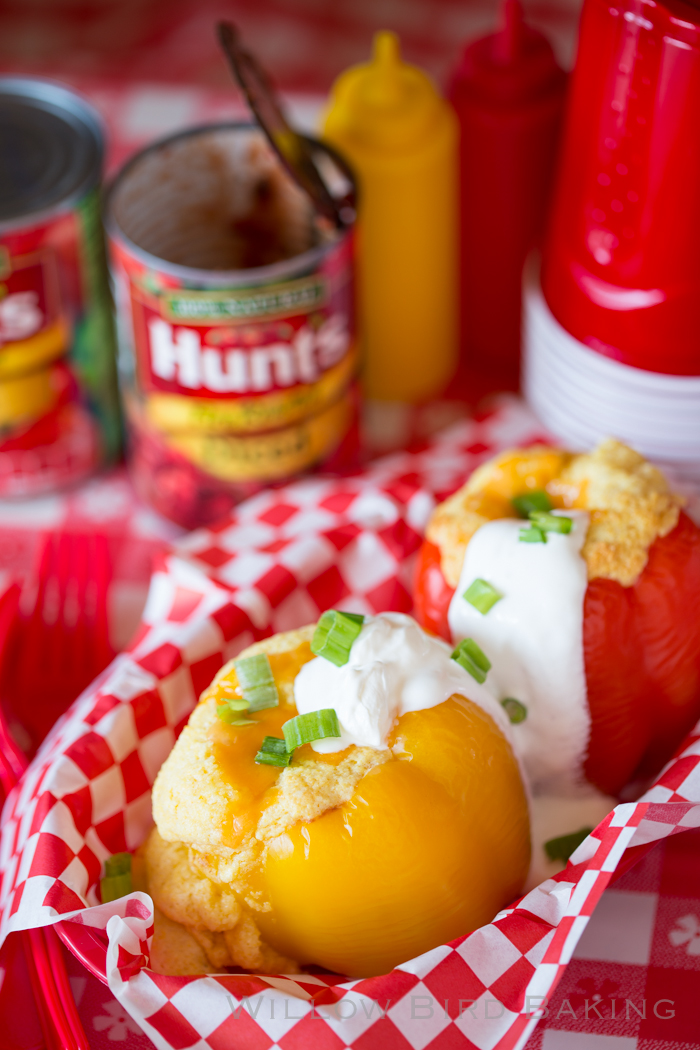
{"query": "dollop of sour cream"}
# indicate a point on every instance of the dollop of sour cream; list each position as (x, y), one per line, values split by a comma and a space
(533, 637)
(394, 667)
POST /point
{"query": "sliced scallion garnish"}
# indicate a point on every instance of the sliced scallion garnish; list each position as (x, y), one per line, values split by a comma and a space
(273, 752)
(235, 704)
(116, 881)
(256, 681)
(531, 501)
(118, 864)
(264, 758)
(469, 656)
(315, 725)
(334, 635)
(551, 522)
(112, 887)
(515, 709)
(274, 745)
(482, 595)
(231, 715)
(561, 848)
(533, 535)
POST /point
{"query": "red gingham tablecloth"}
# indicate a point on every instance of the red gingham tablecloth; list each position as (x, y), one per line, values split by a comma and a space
(639, 955)
(279, 560)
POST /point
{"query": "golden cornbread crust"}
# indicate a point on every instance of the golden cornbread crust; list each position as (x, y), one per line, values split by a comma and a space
(197, 873)
(175, 950)
(306, 791)
(200, 927)
(631, 505)
(191, 800)
(629, 501)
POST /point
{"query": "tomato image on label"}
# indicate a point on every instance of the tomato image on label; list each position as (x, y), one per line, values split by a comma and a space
(20, 316)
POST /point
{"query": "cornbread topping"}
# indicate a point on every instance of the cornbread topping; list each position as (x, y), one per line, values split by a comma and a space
(629, 501)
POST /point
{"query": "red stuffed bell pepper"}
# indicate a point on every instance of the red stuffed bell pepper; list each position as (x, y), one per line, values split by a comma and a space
(641, 609)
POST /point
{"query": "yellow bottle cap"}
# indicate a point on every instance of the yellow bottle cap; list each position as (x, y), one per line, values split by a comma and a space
(384, 103)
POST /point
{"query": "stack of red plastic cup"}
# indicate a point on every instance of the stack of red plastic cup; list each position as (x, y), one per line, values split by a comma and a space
(612, 339)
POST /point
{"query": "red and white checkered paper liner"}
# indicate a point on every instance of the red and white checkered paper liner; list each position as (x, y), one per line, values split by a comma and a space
(281, 559)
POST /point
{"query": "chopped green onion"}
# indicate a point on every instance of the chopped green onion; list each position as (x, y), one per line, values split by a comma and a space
(230, 715)
(531, 501)
(274, 745)
(334, 635)
(515, 709)
(256, 681)
(551, 522)
(469, 656)
(533, 535)
(482, 595)
(562, 847)
(469, 646)
(118, 864)
(115, 886)
(263, 758)
(273, 752)
(116, 881)
(315, 725)
(235, 704)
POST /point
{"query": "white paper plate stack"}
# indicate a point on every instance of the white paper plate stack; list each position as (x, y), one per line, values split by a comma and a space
(582, 396)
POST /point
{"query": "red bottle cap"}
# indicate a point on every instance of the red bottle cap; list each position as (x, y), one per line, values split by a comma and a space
(511, 68)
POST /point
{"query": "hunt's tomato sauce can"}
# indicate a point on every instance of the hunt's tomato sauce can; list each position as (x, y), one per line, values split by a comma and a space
(59, 415)
(235, 318)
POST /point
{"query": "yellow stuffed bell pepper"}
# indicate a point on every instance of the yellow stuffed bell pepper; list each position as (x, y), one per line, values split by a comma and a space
(278, 846)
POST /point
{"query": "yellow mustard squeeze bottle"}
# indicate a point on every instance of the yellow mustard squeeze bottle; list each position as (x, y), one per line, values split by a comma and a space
(388, 120)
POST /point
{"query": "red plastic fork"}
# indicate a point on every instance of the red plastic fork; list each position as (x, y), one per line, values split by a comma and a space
(59, 640)
(13, 761)
(68, 625)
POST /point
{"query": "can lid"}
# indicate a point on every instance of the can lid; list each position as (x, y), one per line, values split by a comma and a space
(51, 145)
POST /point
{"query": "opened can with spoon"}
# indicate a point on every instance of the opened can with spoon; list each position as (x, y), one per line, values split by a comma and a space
(235, 311)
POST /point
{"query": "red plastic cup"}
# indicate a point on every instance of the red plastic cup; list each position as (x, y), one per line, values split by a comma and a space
(621, 268)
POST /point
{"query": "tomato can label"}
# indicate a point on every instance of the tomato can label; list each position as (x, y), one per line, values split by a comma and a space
(59, 415)
(244, 360)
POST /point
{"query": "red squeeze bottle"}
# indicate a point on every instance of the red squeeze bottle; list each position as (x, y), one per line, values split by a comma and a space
(508, 91)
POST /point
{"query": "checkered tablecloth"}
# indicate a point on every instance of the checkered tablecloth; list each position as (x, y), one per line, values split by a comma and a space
(279, 560)
(632, 983)
(304, 44)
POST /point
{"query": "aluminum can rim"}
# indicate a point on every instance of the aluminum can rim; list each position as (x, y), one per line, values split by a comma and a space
(61, 96)
(190, 275)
